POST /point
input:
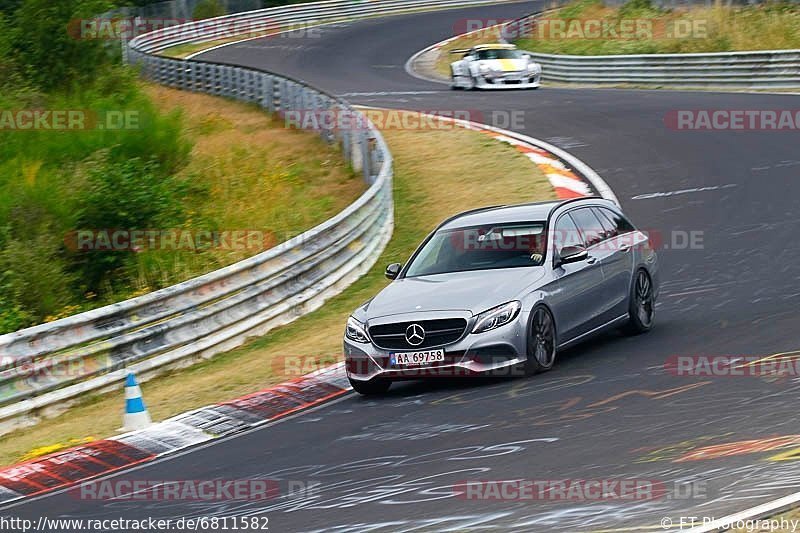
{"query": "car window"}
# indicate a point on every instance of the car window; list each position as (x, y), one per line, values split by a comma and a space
(609, 226)
(589, 225)
(481, 248)
(566, 234)
(620, 223)
(435, 253)
(499, 54)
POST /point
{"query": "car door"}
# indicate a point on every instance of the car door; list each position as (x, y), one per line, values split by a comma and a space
(594, 235)
(617, 261)
(461, 68)
(575, 301)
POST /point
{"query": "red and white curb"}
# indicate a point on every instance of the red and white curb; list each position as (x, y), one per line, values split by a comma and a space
(569, 176)
(63, 469)
(565, 182)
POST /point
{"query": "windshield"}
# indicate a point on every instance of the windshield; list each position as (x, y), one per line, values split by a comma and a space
(499, 54)
(481, 248)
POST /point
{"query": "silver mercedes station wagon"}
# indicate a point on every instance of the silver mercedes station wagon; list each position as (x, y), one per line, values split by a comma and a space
(500, 290)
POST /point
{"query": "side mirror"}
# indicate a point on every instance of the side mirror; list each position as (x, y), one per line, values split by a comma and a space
(572, 254)
(393, 270)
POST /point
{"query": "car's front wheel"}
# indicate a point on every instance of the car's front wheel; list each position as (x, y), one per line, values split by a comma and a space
(541, 342)
(371, 387)
(642, 305)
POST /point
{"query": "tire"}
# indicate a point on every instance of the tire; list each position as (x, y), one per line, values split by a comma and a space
(542, 342)
(641, 304)
(372, 387)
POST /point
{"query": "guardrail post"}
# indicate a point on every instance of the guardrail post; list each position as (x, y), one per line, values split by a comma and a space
(228, 83)
(346, 135)
(365, 157)
(192, 76)
(268, 92)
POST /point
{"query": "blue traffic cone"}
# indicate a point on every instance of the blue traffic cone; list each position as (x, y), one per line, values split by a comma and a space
(136, 415)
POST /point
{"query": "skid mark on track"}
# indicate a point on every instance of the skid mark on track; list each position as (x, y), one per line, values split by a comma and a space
(693, 190)
(654, 395)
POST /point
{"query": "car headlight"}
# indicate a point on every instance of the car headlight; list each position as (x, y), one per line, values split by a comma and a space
(355, 331)
(534, 67)
(496, 317)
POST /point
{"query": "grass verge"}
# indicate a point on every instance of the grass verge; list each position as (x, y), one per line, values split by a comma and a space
(588, 27)
(249, 163)
(437, 173)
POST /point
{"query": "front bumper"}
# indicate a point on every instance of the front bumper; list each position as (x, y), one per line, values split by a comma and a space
(496, 352)
(509, 81)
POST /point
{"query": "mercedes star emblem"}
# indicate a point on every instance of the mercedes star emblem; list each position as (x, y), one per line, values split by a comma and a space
(415, 334)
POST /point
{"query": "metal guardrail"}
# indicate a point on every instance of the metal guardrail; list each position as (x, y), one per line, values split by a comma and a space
(44, 366)
(776, 69)
(771, 69)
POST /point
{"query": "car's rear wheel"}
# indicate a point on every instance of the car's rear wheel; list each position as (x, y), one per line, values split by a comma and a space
(541, 342)
(642, 305)
(371, 387)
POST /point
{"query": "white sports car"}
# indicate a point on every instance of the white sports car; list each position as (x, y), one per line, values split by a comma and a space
(494, 66)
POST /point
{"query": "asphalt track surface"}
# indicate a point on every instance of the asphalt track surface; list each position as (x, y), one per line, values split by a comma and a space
(609, 410)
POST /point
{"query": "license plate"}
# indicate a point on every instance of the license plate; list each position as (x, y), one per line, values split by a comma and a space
(416, 358)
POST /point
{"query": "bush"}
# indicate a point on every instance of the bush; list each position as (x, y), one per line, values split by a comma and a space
(52, 182)
(36, 274)
(207, 9)
(131, 194)
(51, 57)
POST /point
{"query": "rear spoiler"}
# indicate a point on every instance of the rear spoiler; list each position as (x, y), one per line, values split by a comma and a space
(461, 51)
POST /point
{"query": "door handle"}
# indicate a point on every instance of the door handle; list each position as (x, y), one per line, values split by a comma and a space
(591, 260)
(625, 248)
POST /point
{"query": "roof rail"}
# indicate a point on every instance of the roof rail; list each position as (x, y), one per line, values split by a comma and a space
(470, 212)
(573, 200)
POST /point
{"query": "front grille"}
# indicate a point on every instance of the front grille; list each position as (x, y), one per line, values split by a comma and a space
(437, 333)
